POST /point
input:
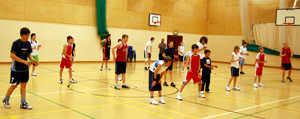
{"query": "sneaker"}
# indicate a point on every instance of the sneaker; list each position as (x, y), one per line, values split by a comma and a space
(117, 87)
(33, 74)
(72, 81)
(24, 105)
(107, 68)
(177, 66)
(72, 70)
(101, 68)
(120, 78)
(146, 68)
(182, 70)
(260, 84)
(201, 92)
(289, 78)
(208, 91)
(255, 85)
(242, 72)
(161, 100)
(6, 103)
(125, 86)
(200, 95)
(179, 97)
(172, 84)
(227, 88)
(60, 81)
(153, 102)
(165, 84)
(282, 81)
(235, 88)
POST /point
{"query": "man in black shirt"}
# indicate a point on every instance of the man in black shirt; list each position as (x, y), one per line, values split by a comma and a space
(207, 67)
(21, 49)
(170, 51)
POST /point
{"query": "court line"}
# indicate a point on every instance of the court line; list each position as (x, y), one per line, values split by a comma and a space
(55, 102)
(250, 107)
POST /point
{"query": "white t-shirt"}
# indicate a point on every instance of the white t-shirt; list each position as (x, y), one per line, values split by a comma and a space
(181, 49)
(155, 65)
(149, 44)
(34, 44)
(201, 46)
(235, 57)
(243, 50)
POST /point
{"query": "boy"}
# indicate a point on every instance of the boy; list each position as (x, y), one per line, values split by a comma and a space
(20, 51)
(207, 67)
(170, 51)
(120, 76)
(35, 47)
(193, 62)
(234, 59)
(66, 59)
(259, 64)
(162, 47)
(286, 53)
(121, 61)
(148, 52)
(181, 53)
(243, 52)
(156, 71)
(106, 51)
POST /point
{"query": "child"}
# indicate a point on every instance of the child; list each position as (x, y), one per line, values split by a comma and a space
(106, 51)
(259, 64)
(121, 61)
(286, 53)
(184, 60)
(193, 62)
(66, 59)
(243, 52)
(120, 76)
(207, 67)
(234, 59)
(35, 47)
(20, 51)
(148, 52)
(156, 71)
(170, 51)
(202, 45)
(181, 54)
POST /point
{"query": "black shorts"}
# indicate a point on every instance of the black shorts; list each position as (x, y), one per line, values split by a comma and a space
(160, 57)
(170, 67)
(235, 71)
(181, 58)
(17, 77)
(106, 54)
(121, 67)
(145, 55)
(287, 66)
(157, 87)
(205, 76)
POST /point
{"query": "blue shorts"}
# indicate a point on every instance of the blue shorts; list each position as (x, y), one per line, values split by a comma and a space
(242, 62)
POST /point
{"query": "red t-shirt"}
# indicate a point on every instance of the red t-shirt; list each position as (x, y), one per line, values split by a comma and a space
(194, 62)
(68, 51)
(121, 53)
(286, 59)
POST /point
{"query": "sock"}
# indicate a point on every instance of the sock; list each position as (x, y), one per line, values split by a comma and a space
(145, 65)
(116, 84)
(7, 97)
(23, 99)
(179, 93)
(124, 84)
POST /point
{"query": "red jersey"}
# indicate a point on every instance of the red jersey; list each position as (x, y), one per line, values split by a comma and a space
(286, 59)
(194, 62)
(68, 51)
(262, 58)
(121, 53)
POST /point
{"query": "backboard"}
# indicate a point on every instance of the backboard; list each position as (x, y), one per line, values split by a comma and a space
(288, 16)
(154, 19)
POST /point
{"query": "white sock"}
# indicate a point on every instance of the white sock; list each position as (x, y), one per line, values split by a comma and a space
(116, 84)
(179, 93)
(124, 84)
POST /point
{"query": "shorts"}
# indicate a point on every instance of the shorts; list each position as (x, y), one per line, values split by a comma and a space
(17, 77)
(160, 57)
(121, 67)
(235, 71)
(170, 67)
(181, 58)
(258, 71)
(242, 62)
(190, 75)
(65, 63)
(35, 57)
(145, 55)
(287, 66)
(106, 54)
(157, 87)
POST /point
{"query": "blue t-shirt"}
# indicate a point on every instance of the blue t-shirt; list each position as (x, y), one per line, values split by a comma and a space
(22, 50)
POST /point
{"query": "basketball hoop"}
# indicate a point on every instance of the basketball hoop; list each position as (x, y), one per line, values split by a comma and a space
(157, 23)
(289, 24)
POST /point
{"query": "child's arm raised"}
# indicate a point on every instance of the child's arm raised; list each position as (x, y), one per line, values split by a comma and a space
(113, 49)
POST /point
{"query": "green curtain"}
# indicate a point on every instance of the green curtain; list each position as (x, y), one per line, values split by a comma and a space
(254, 48)
(101, 18)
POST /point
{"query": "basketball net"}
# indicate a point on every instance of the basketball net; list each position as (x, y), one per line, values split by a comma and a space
(157, 23)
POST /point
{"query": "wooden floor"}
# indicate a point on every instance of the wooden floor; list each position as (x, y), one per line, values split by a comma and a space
(94, 96)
